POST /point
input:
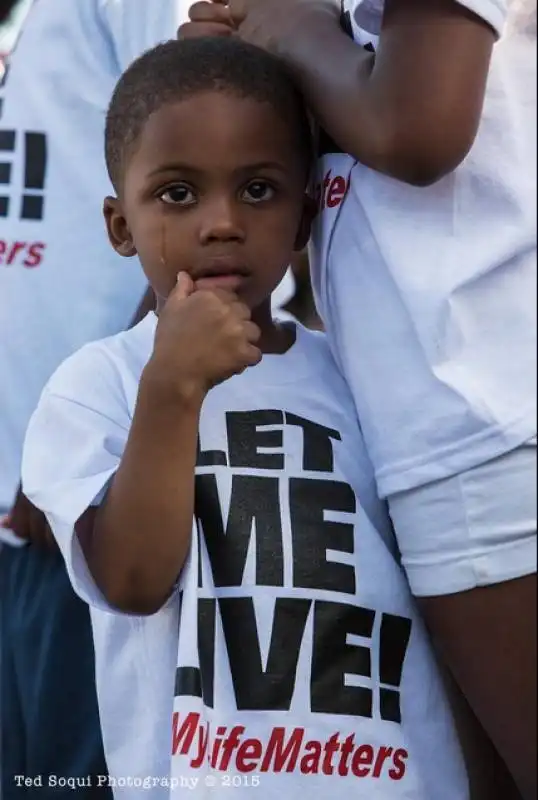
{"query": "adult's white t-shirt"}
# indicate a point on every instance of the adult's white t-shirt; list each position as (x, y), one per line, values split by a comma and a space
(292, 645)
(61, 284)
(428, 294)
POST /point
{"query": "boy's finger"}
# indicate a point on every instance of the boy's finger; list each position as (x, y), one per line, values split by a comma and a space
(6, 522)
(184, 285)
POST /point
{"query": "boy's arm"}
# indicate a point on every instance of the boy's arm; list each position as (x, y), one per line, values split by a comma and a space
(136, 542)
(411, 110)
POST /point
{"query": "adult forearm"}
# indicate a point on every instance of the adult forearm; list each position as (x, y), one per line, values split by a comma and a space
(403, 111)
(142, 532)
(333, 73)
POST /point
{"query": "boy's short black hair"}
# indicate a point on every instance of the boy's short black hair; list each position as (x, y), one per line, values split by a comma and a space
(177, 69)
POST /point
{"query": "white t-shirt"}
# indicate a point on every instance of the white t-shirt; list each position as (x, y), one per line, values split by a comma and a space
(295, 623)
(429, 294)
(61, 284)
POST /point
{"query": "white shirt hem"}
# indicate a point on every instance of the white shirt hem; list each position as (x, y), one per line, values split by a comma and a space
(433, 579)
(494, 15)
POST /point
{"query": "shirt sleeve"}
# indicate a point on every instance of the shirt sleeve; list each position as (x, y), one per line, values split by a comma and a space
(368, 13)
(476, 528)
(494, 12)
(73, 447)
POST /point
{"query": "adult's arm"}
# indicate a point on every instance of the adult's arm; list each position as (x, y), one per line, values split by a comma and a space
(487, 637)
(135, 543)
(412, 109)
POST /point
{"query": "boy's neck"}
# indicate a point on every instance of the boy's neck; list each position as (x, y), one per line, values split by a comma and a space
(275, 338)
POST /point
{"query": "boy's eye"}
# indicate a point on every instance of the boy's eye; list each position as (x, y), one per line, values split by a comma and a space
(180, 195)
(258, 192)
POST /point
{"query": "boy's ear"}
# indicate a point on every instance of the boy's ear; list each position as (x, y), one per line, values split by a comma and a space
(305, 224)
(116, 225)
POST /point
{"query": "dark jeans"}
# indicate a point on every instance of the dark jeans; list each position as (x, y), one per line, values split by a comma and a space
(50, 720)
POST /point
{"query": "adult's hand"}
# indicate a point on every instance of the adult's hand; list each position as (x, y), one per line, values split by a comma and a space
(28, 523)
(271, 24)
(276, 24)
(207, 19)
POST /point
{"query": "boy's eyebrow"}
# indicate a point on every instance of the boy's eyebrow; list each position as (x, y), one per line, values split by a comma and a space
(177, 166)
(261, 165)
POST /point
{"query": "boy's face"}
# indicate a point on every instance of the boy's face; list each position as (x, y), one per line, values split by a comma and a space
(215, 187)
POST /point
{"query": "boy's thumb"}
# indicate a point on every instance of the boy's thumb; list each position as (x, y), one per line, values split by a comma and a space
(185, 285)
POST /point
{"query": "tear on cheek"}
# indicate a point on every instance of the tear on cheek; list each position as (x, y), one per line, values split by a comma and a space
(163, 242)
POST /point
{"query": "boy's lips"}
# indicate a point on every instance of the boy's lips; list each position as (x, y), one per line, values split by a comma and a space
(230, 281)
(220, 273)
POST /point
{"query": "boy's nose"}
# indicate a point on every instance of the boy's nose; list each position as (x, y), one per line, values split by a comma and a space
(221, 222)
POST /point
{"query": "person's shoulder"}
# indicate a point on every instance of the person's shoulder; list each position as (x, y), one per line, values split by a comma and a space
(106, 366)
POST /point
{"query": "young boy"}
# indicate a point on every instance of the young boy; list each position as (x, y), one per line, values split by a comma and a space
(204, 474)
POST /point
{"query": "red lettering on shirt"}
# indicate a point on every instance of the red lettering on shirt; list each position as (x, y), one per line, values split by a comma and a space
(330, 191)
(21, 254)
(282, 749)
